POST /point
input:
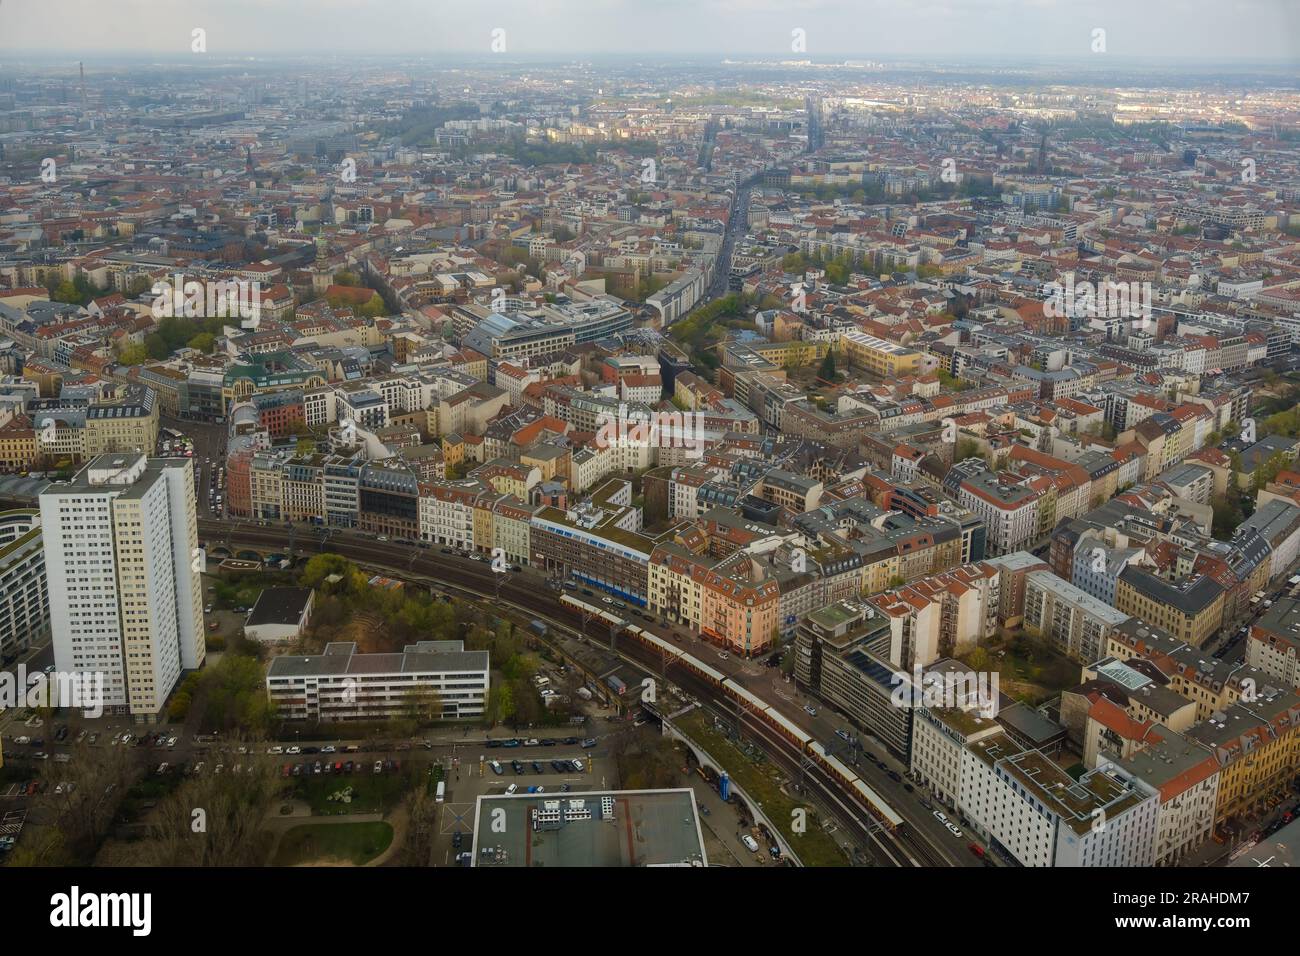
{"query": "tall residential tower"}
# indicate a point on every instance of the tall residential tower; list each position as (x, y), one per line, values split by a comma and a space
(122, 559)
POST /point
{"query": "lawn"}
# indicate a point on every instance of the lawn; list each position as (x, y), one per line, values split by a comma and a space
(1033, 672)
(371, 793)
(762, 783)
(355, 843)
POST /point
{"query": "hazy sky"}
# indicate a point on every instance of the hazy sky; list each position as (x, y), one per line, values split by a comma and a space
(1228, 29)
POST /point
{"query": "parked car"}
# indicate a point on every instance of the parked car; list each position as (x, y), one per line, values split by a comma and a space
(379, 766)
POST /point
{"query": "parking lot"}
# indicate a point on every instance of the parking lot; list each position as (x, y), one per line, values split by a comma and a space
(501, 767)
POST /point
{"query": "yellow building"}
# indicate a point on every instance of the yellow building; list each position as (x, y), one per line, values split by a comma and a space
(879, 356)
(1191, 610)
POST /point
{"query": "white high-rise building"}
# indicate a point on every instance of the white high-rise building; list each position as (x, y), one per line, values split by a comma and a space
(123, 563)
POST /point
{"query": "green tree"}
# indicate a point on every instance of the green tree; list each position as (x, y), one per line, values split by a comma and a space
(827, 371)
(133, 353)
(202, 342)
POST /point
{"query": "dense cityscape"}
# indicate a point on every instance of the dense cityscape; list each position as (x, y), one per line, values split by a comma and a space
(739, 460)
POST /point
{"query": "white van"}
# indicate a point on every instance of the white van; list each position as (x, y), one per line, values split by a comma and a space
(750, 843)
(442, 792)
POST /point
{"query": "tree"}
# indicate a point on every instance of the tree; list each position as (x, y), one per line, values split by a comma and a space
(827, 371)
(202, 342)
(133, 353)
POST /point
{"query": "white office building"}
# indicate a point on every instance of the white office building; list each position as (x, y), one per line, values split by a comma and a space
(122, 559)
(438, 679)
(1033, 810)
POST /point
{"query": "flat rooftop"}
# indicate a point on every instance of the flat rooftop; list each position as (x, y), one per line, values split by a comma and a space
(609, 828)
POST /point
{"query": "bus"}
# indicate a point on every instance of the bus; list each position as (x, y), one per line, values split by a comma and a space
(442, 792)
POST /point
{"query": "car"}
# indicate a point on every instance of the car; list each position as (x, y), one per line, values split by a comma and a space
(530, 742)
(328, 768)
(456, 840)
(512, 742)
(750, 843)
(292, 751)
(348, 767)
(842, 734)
(549, 741)
(532, 789)
(379, 766)
(516, 766)
(311, 750)
(496, 767)
(540, 789)
(316, 767)
(275, 750)
(589, 743)
(558, 766)
(297, 770)
(448, 551)
(893, 775)
(909, 788)
(976, 849)
(810, 710)
(953, 830)
(218, 768)
(22, 740)
(723, 656)
(564, 788)
(938, 815)
(93, 739)
(162, 769)
(607, 600)
(286, 770)
(81, 736)
(172, 741)
(577, 765)
(328, 749)
(537, 767)
(570, 741)
(511, 789)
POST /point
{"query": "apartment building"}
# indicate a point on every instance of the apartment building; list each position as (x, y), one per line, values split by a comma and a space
(24, 591)
(121, 551)
(1191, 609)
(1274, 643)
(1075, 623)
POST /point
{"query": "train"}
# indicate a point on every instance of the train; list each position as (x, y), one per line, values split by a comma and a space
(853, 785)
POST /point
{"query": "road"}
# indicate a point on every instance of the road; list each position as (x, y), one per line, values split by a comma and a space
(524, 589)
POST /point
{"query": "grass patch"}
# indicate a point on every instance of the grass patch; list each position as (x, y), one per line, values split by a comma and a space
(1035, 671)
(763, 783)
(355, 843)
(371, 793)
